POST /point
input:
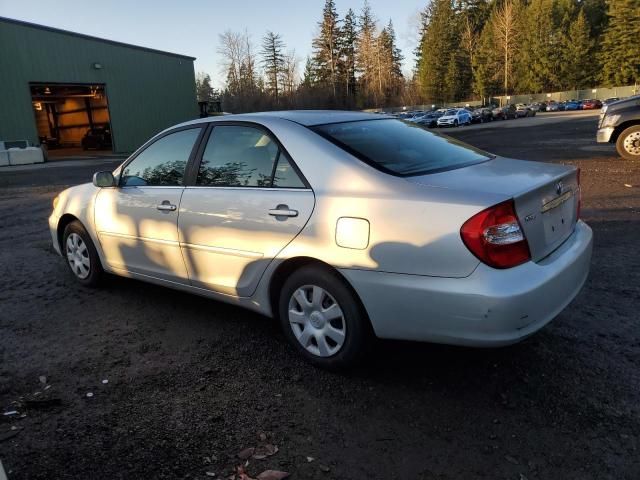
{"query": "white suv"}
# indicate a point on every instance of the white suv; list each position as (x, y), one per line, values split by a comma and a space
(455, 117)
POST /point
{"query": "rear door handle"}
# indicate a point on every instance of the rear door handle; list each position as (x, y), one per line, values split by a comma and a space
(166, 207)
(283, 211)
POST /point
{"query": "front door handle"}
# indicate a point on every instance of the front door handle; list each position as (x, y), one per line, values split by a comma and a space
(283, 211)
(166, 207)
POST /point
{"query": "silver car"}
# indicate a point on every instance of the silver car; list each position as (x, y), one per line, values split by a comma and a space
(345, 226)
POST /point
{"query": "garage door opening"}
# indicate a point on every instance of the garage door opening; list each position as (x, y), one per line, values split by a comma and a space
(72, 119)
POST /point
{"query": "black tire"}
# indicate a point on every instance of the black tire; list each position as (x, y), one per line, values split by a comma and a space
(631, 135)
(358, 333)
(96, 272)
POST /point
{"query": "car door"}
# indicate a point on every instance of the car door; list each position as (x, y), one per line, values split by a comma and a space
(137, 221)
(248, 202)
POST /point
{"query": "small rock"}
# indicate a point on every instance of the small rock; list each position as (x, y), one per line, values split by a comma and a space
(265, 451)
(272, 475)
(7, 435)
(246, 453)
(43, 379)
(89, 394)
(210, 474)
(310, 459)
(105, 381)
(262, 436)
(511, 459)
(324, 468)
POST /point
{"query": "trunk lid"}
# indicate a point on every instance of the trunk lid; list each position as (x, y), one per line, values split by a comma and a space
(545, 195)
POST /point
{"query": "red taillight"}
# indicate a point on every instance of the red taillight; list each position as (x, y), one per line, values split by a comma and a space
(496, 237)
(579, 196)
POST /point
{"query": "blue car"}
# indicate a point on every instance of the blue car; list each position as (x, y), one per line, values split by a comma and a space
(573, 105)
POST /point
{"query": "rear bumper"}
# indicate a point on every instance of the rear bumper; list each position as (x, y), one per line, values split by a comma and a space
(604, 134)
(488, 308)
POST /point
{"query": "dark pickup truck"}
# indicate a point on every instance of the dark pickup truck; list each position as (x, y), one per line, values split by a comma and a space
(620, 124)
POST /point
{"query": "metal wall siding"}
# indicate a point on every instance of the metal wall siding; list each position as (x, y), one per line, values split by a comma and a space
(147, 91)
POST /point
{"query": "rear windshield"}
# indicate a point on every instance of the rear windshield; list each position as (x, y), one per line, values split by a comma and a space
(400, 148)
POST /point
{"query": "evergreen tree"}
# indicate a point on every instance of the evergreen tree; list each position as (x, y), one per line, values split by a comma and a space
(273, 61)
(347, 65)
(204, 90)
(621, 43)
(309, 75)
(437, 47)
(396, 54)
(577, 64)
(596, 13)
(366, 55)
(326, 47)
(538, 59)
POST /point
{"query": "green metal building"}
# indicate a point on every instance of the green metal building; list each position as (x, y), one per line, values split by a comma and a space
(56, 87)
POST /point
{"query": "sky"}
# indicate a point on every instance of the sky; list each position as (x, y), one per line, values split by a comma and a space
(191, 27)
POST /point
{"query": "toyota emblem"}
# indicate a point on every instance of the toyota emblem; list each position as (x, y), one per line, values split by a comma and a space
(559, 188)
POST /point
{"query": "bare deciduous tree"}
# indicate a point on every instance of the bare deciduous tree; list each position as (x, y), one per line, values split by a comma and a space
(506, 31)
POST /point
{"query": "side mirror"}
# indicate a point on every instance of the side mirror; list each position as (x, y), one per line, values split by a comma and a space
(104, 179)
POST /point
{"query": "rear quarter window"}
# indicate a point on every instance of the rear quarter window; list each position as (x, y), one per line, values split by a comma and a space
(400, 148)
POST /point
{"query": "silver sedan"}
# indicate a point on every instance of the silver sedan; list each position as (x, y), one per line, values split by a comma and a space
(344, 226)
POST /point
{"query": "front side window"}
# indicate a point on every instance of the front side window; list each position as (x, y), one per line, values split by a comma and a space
(239, 156)
(162, 163)
(400, 148)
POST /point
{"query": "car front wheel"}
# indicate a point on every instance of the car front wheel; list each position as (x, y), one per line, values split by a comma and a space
(322, 318)
(82, 257)
(628, 143)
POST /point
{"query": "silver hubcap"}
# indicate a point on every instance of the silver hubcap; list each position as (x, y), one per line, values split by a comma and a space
(317, 321)
(632, 143)
(78, 256)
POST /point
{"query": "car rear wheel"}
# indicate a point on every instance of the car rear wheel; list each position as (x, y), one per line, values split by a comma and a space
(82, 257)
(322, 318)
(628, 143)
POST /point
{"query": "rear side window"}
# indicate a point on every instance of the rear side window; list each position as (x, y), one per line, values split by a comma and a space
(239, 156)
(400, 148)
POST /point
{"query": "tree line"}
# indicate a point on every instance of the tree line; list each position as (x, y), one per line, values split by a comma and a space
(468, 49)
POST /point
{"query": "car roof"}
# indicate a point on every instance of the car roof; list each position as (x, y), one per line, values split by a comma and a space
(310, 118)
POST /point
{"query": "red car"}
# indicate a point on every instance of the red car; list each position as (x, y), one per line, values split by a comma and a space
(591, 104)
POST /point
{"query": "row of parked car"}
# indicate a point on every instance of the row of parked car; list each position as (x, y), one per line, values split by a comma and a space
(589, 104)
(459, 116)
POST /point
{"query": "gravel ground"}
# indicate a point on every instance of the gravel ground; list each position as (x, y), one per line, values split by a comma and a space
(192, 382)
